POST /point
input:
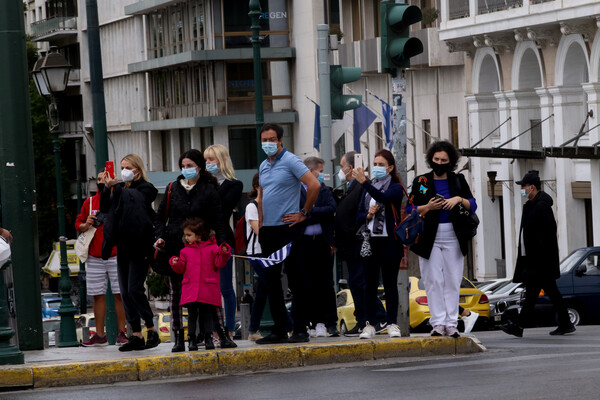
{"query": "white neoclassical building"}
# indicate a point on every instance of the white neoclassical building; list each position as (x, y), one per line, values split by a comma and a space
(532, 95)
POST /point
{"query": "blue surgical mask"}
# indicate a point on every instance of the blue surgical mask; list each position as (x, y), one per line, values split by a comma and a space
(189, 173)
(321, 177)
(212, 168)
(379, 172)
(269, 148)
(524, 193)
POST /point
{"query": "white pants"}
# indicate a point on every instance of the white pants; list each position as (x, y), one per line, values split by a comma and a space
(442, 275)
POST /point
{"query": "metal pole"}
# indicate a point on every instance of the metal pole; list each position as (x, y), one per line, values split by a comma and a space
(100, 133)
(16, 171)
(324, 97)
(254, 14)
(82, 275)
(9, 354)
(68, 336)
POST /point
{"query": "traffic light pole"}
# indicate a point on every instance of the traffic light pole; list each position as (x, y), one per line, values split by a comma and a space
(325, 97)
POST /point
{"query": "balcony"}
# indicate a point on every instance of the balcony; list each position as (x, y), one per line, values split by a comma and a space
(435, 52)
(53, 28)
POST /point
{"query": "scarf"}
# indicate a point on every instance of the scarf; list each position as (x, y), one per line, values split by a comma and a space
(379, 217)
(185, 185)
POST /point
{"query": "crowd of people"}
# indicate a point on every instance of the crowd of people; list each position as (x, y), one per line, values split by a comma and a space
(190, 239)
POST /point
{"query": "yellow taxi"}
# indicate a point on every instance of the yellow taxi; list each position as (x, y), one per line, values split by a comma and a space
(470, 298)
(162, 322)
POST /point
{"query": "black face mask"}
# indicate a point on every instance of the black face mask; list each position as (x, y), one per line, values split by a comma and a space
(440, 169)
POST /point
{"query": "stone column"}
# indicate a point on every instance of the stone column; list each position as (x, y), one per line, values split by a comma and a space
(593, 94)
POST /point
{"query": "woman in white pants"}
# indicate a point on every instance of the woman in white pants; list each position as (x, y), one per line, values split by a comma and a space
(438, 195)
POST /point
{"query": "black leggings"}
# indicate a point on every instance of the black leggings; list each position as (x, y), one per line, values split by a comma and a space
(133, 269)
(202, 314)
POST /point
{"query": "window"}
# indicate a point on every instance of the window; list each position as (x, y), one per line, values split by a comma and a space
(165, 141)
(536, 134)
(356, 20)
(426, 126)
(453, 130)
(185, 140)
(242, 147)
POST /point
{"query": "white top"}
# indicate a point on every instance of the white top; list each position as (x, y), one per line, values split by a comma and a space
(252, 215)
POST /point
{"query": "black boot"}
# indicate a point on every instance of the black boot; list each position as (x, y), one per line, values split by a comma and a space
(226, 342)
(192, 346)
(208, 341)
(179, 342)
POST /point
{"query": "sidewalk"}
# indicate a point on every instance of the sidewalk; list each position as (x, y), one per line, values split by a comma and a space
(100, 365)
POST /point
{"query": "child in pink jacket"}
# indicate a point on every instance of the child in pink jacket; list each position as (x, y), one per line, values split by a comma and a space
(199, 262)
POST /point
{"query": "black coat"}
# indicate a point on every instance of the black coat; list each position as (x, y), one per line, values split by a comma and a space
(130, 217)
(322, 212)
(230, 192)
(345, 225)
(423, 189)
(202, 201)
(392, 196)
(538, 228)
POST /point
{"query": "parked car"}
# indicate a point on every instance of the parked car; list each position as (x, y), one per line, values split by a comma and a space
(50, 306)
(50, 325)
(488, 287)
(470, 298)
(162, 322)
(579, 285)
(85, 320)
(505, 295)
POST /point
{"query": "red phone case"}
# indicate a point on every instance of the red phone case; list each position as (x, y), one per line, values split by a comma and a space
(110, 168)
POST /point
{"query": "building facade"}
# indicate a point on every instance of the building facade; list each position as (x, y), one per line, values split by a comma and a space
(531, 77)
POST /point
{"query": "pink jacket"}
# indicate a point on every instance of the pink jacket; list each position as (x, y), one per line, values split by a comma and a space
(200, 263)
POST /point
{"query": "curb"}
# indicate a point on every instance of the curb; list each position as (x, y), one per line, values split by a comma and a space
(218, 362)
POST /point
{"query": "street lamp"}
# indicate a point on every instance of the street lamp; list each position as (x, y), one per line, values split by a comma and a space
(51, 75)
(492, 178)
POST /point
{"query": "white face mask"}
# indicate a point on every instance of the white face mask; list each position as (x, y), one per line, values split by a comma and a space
(342, 175)
(127, 175)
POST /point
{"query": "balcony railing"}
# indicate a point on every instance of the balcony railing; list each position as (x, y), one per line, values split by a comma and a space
(58, 24)
(488, 6)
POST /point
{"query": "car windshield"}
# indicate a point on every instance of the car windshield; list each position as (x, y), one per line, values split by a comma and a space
(54, 304)
(166, 317)
(507, 288)
(571, 260)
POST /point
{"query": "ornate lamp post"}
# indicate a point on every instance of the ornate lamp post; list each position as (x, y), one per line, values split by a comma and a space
(254, 14)
(51, 75)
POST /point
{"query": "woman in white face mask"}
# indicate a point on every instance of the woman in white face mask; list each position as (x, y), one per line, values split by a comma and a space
(129, 226)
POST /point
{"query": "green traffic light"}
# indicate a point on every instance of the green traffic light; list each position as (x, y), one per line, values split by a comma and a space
(341, 102)
(396, 46)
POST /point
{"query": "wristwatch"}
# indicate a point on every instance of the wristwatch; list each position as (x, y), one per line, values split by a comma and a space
(304, 212)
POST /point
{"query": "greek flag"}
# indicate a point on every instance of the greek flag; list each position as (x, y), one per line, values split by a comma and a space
(274, 258)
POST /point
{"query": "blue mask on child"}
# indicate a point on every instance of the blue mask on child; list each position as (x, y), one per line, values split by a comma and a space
(212, 168)
(321, 177)
(269, 148)
(379, 172)
(189, 173)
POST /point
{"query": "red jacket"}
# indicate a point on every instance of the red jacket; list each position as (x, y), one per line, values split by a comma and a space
(200, 263)
(96, 244)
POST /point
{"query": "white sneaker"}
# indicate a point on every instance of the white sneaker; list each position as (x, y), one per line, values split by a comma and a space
(393, 330)
(469, 321)
(368, 332)
(312, 333)
(321, 331)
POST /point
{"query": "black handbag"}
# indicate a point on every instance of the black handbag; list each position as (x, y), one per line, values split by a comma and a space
(467, 221)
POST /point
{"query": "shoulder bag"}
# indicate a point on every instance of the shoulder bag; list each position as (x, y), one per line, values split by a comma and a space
(82, 246)
(412, 226)
(467, 221)
(160, 264)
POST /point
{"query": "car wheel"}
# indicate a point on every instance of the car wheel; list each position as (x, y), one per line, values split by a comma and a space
(574, 316)
(343, 328)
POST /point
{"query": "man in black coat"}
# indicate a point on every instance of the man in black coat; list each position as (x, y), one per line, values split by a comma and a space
(537, 260)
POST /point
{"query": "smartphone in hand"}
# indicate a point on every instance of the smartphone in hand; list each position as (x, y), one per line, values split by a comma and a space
(110, 168)
(439, 197)
(358, 161)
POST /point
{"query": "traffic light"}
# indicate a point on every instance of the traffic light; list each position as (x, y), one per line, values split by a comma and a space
(341, 102)
(396, 46)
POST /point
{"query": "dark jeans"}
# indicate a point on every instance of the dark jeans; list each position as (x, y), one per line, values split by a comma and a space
(313, 267)
(175, 302)
(389, 267)
(202, 314)
(356, 283)
(273, 238)
(228, 294)
(260, 295)
(532, 291)
(132, 269)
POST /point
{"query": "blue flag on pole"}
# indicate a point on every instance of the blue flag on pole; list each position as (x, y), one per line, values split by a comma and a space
(388, 122)
(363, 118)
(317, 137)
(274, 258)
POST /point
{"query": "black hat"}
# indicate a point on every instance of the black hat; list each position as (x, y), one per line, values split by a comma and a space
(530, 178)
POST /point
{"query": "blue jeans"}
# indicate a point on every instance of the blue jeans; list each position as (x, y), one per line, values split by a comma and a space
(228, 295)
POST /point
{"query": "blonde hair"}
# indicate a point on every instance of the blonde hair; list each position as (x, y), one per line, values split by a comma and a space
(138, 164)
(222, 155)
